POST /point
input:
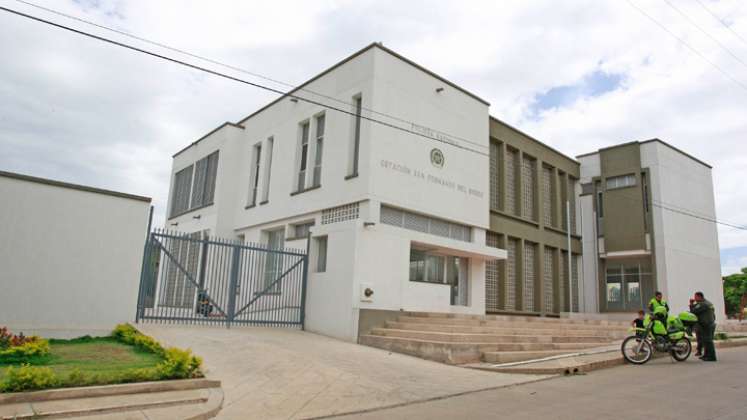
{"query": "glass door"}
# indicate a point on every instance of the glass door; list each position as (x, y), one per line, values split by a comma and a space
(623, 283)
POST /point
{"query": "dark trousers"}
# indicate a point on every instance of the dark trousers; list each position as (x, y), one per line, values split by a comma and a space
(706, 337)
(698, 338)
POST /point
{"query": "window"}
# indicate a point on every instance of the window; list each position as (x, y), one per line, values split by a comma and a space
(548, 196)
(572, 198)
(273, 260)
(254, 177)
(302, 230)
(620, 181)
(321, 254)
(425, 224)
(358, 104)
(317, 178)
(441, 269)
(528, 188)
(303, 156)
(268, 167)
(495, 189)
(180, 194)
(512, 192)
(203, 190)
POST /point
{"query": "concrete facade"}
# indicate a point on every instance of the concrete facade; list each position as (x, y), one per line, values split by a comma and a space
(390, 204)
(70, 256)
(436, 206)
(653, 227)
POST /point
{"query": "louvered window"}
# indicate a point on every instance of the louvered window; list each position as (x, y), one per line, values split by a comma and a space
(425, 224)
(180, 191)
(528, 188)
(203, 189)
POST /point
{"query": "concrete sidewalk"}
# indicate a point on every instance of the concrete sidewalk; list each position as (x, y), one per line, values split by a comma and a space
(282, 373)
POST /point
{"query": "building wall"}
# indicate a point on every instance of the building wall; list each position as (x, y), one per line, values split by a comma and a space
(687, 246)
(70, 257)
(542, 225)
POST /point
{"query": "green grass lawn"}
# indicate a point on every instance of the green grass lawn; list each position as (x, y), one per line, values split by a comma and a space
(103, 356)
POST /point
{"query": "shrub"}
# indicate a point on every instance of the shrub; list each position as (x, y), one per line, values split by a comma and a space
(28, 378)
(179, 364)
(721, 336)
(127, 334)
(30, 348)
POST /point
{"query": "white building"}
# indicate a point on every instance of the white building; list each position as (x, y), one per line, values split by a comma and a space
(416, 211)
(70, 256)
(398, 220)
(652, 209)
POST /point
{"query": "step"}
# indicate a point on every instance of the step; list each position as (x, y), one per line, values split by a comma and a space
(162, 405)
(518, 356)
(506, 324)
(571, 364)
(461, 352)
(471, 329)
(518, 318)
(486, 338)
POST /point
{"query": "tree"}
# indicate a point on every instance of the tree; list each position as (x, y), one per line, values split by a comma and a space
(735, 288)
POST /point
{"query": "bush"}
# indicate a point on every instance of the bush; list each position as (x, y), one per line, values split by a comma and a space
(179, 364)
(32, 348)
(721, 336)
(28, 378)
(127, 334)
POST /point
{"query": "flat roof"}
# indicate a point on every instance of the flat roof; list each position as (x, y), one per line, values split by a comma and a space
(545, 145)
(330, 69)
(680, 151)
(209, 133)
(78, 187)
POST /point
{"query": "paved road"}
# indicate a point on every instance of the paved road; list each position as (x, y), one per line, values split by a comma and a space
(657, 391)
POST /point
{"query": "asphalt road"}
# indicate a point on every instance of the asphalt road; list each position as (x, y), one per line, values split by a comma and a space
(661, 389)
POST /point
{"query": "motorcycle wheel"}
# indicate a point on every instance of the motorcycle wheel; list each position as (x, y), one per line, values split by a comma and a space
(681, 349)
(636, 352)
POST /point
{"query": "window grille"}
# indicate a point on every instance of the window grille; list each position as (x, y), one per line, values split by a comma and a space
(512, 250)
(574, 281)
(424, 224)
(549, 283)
(530, 263)
(563, 282)
(340, 213)
(495, 187)
(180, 195)
(512, 162)
(528, 188)
(491, 276)
(572, 197)
(547, 196)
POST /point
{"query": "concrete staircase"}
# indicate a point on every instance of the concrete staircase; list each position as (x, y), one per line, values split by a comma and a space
(461, 339)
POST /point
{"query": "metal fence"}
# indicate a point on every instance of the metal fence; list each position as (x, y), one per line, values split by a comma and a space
(197, 279)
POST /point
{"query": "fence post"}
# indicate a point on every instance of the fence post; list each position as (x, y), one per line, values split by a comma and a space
(304, 280)
(144, 264)
(232, 284)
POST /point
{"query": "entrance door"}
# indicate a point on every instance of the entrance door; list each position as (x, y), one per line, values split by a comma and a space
(623, 287)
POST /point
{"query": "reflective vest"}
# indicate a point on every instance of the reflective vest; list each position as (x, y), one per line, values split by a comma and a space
(653, 304)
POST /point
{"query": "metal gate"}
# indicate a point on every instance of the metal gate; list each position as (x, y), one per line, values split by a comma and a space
(197, 279)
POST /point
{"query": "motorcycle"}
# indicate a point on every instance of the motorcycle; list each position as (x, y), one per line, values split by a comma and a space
(656, 336)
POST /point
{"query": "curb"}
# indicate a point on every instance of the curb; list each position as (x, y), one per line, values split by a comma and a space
(108, 390)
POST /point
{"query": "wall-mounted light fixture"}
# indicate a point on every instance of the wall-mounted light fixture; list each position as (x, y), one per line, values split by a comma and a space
(175, 224)
(294, 100)
(197, 217)
(368, 224)
(439, 89)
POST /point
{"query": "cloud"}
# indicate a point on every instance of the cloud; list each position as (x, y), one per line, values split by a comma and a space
(578, 75)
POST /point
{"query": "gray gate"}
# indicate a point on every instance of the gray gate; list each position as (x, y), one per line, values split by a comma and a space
(196, 279)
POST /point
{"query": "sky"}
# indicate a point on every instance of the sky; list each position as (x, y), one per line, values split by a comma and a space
(576, 74)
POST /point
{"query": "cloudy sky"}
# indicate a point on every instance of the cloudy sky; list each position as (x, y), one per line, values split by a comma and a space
(577, 74)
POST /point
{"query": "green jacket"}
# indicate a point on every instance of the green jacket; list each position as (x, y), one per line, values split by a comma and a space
(653, 304)
(705, 312)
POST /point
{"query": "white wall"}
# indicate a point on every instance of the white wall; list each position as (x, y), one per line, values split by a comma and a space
(70, 259)
(687, 247)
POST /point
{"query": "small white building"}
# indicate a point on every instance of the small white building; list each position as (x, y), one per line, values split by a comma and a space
(70, 256)
(651, 228)
(397, 219)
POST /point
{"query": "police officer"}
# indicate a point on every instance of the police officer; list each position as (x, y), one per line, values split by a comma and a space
(656, 301)
(704, 310)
